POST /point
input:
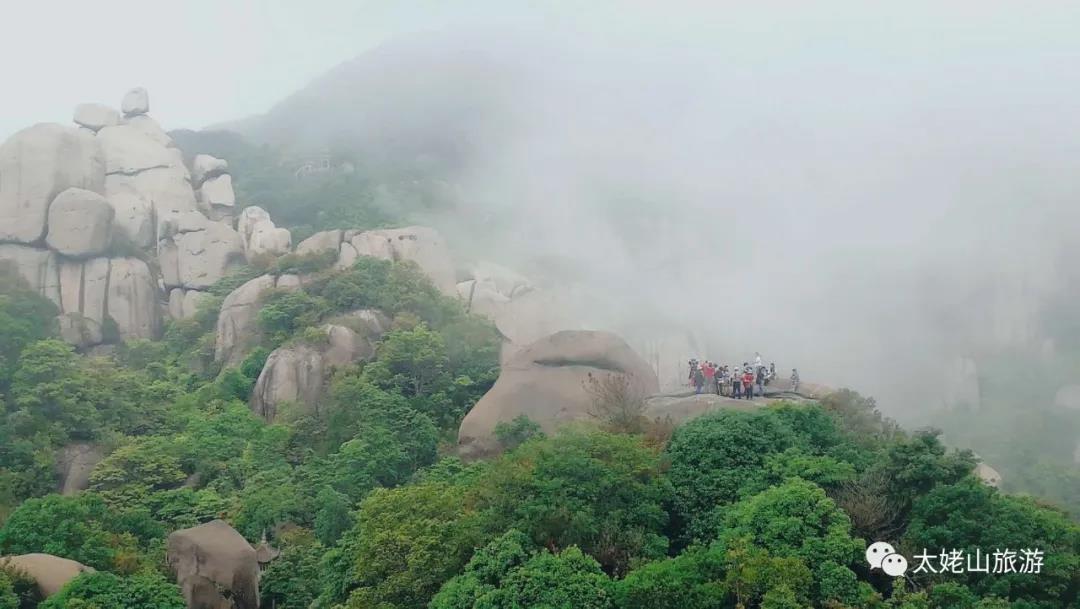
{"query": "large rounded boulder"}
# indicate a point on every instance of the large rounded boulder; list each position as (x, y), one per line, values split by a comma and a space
(51, 573)
(547, 382)
(215, 567)
(38, 163)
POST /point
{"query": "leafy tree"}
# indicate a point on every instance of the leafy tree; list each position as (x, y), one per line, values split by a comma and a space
(285, 312)
(25, 317)
(694, 579)
(970, 516)
(81, 528)
(103, 590)
(333, 518)
(599, 491)
(517, 432)
(510, 573)
(797, 520)
(292, 580)
(411, 361)
(136, 469)
(406, 543)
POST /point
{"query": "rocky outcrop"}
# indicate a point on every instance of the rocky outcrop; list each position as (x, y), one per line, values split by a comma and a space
(133, 299)
(215, 567)
(74, 464)
(184, 303)
(150, 128)
(194, 252)
(204, 166)
(261, 237)
(129, 151)
(166, 189)
(38, 163)
(236, 327)
(547, 382)
(299, 373)
(80, 223)
(84, 289)
(680, 409)
(987, 475)
(51, 573)
(133, 217)
(40, 268)
(136, 101)
(95, 116)
(419, 244)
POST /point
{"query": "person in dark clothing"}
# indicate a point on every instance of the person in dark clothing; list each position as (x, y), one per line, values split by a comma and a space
(772, 373)
(736, 384)
(760, 389)
(699, 380)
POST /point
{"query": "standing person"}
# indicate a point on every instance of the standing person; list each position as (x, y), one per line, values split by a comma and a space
(794, 380)
(748, 384)
(736, 383)
(693, 366)
(710, 375)
(772, 372)
(757, 360)
(760, 381)
(721, 379)
(699, 379)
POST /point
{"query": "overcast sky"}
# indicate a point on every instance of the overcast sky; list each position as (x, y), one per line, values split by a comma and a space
(206, 61)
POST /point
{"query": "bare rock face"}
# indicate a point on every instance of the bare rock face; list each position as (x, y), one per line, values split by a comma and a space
(215, 567)
(38, 163)
(204, 166)
(236, 327)
(150, 128)
(50, 572)
(260, 235)
(195, 253)
(83, 297)
(80, 223)
(299, 373)
(165, 188)
(133, 299)
(420, 244)
(39, 267)
(136, 101)
(291, 374)
(95, 116)
(184, 303)
(325, 241)
(133, 217)
(680, 409)
(546, 382)
(988, 475)
(74, 464)
(218, 191)
(129, 151)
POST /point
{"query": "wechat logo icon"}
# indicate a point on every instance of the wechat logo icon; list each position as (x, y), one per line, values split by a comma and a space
(882, 555)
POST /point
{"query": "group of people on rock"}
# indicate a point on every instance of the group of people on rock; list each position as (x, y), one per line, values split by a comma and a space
(735, 381)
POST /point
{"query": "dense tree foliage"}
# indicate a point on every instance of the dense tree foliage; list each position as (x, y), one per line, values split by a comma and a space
(770, 508)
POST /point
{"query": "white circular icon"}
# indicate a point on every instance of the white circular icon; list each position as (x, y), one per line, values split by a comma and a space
(894, 565)
(877, 552)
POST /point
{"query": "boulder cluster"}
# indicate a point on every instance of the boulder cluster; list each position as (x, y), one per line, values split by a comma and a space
(106, 220)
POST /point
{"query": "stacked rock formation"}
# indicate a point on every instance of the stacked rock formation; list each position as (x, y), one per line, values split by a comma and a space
(84, 209)
(215, 567)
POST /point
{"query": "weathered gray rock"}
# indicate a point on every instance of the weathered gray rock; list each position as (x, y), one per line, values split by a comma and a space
(83, 297)
(988, 475)
(215, 567)
(546, 382)
(74, 464)
(165, 188)
(136, 101)
(184, 303)
(260, 235)
(680, 409)
(325, 241)
(499, 279)
(129, 151)
(51, 573)
(39, 267)
(133, 299)
(196, 259)
(299, 373)
(133, 217)
(80, 223)
(150, 128)
(291, 374)
(420, 244)
(204, 166)
(38, 163)
(95, 116)
(218, 191)
(236, 328)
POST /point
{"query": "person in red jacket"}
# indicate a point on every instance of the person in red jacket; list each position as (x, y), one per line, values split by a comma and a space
(710, 373)
(748, 384)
